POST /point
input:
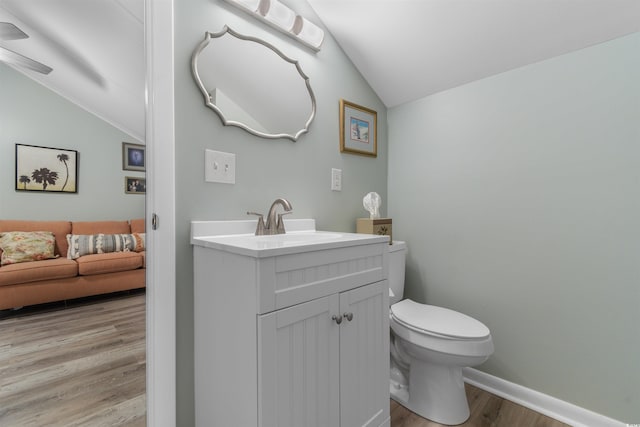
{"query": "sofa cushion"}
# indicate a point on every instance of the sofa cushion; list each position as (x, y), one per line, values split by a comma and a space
(108, 263)
(25, 272)
(60, 229)
(95, 227)
(83, 244)
(137, 225)
(26, 246)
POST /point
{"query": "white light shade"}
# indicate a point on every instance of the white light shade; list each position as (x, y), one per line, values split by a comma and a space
(278, 14)
(251, 5)
(308, 31)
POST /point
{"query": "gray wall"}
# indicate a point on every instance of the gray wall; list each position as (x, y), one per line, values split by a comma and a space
(33, 115)
(518, 196)
(266, 169)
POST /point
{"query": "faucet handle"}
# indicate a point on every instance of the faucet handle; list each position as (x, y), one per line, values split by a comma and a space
(280, 226)
(260, 227)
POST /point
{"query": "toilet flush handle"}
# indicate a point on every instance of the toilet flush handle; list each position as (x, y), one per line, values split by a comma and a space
(349, 316)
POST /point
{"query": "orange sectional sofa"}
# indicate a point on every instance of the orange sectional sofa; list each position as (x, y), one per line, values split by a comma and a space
(60, 278)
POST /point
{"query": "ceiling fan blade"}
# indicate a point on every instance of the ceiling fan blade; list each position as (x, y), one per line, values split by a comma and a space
(12, 58)
(8, 31)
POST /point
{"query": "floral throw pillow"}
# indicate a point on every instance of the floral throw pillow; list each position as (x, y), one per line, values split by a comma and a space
(24, 246)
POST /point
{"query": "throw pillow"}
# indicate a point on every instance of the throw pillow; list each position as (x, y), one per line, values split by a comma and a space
(86, 244)
(139, 240)
(24, 246)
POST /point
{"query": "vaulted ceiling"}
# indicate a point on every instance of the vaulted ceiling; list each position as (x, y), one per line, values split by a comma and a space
(96, 50)
(405, 49)
(408, 49)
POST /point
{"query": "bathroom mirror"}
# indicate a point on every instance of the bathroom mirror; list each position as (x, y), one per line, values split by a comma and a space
(252, 85)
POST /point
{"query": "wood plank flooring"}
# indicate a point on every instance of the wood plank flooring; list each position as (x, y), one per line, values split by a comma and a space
(83, 365)
(487, 410)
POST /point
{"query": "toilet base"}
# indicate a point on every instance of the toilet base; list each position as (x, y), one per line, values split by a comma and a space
(435, 392)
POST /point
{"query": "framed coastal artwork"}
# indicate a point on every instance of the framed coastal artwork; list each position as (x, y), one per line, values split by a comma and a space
(358, 129)
(45, 169)
(133, 157)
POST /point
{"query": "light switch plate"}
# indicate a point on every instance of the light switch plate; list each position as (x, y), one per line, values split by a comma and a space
(219, 167)
(336, 179)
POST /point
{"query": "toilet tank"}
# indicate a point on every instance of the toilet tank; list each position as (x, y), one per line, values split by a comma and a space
(397, 257)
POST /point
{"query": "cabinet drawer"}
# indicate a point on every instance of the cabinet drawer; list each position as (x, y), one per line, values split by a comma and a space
(287, 280)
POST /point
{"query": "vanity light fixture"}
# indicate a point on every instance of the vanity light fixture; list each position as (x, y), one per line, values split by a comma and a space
(284, 19)
(278, 14)
(308, 31)
(251, 5)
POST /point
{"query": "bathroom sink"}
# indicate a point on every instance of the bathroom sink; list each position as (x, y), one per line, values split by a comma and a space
(295, 238)
(280, 244)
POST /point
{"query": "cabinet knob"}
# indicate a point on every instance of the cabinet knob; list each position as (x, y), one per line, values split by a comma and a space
(337, 318)
(349, 316)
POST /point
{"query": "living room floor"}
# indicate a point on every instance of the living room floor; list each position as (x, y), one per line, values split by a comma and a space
(80, 363)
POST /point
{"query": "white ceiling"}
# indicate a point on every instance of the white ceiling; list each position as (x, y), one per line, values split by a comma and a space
(408, 49)
(96, 50)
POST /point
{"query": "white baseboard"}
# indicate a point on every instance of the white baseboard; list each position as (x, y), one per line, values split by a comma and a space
(560, 410)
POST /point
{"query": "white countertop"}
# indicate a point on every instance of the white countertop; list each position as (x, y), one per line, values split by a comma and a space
(232, 236)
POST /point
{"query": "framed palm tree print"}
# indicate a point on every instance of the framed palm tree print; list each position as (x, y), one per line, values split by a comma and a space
(44, 169)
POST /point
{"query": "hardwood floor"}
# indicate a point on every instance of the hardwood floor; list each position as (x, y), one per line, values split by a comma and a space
(83, 365)
(487, 410)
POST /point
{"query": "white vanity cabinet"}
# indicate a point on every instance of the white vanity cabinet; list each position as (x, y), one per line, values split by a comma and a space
(314, 372)
(269, 351)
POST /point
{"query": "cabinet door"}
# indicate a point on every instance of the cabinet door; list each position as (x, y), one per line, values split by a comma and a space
(364, 356)
(298, 365)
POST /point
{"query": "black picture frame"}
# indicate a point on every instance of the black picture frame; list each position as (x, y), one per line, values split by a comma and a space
(46, 169)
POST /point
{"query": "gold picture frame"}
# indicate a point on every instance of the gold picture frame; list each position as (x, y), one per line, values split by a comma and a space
(358, 129)
(135, 185)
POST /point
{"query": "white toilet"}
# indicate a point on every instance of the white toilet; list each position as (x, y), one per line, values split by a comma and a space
(429, 347)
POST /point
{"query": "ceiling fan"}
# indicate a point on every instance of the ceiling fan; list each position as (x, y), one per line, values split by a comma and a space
(8, 31)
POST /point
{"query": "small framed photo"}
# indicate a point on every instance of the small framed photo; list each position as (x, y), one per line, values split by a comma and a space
(133, 157)
(135, 185)
(44, 169)
(358, 129)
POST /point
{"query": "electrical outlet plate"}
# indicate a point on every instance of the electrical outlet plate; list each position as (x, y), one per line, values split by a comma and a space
(336, 179)
(219, 167)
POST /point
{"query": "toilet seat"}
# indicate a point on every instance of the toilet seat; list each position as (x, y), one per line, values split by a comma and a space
(438, 321)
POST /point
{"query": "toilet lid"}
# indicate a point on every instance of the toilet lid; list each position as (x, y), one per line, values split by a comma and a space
(438, 320)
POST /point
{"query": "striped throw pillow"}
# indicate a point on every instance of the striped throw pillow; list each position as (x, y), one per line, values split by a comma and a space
(86, 244)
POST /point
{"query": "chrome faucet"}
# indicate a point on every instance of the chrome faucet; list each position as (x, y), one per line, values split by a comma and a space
(275, 224)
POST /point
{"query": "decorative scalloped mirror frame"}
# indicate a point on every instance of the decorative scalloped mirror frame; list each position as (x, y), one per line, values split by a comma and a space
(208, 99)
